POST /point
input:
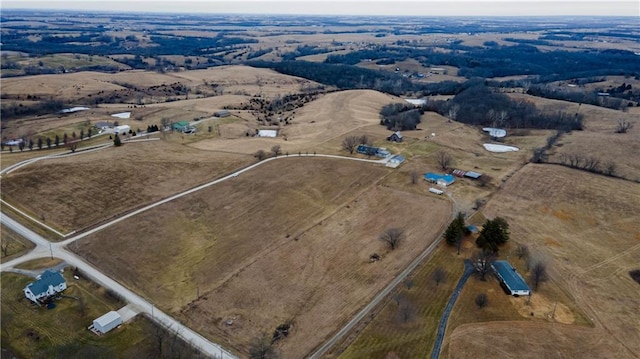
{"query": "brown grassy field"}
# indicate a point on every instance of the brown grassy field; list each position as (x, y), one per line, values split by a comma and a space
(586, 226)
(598, 137)
(77, 191)
(327, 119)
(268, 248)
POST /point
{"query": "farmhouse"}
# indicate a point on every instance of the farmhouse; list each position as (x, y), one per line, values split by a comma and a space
(509, 279)
(180, 126)
(440, 180)
(395, 137)
(47, 285)
(106, 323)
(102, 125)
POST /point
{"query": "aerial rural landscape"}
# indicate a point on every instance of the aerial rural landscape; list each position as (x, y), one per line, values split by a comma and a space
(209, 185)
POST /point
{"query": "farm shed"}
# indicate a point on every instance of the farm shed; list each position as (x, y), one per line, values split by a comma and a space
(122, 129)
(395, 137)
(267, 133)
(106, 322)
(47, 285)
(509, 278)
(180, 126)
(473, 175)
(222, 113)
(367, 150)
(436, 191)
(395, 161)
(441, 180)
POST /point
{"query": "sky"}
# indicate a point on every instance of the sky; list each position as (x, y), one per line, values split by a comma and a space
(349, 7)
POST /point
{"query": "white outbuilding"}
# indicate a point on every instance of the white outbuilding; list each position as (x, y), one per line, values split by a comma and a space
(122, 129)
(106, 323)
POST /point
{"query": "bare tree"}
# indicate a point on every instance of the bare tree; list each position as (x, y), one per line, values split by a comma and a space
(260, 155)
(364, 140)
(166, 123)
(350, 143)
(482, 300)
(592, 164)
(73, 146)
(444, 159)
(522, 251)
(453, 111)
(276, 150)
(538, 273)
(609, 168)
(482, 261)
(406, 311)
(261, 347)
(392, 237)
(414, 176)
(439, 275)
(5, 248)
(623, 126)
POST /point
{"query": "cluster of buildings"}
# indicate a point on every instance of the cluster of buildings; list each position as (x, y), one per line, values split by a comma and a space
(49, 286)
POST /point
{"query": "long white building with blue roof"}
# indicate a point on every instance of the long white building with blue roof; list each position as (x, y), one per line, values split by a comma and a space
(510, 279)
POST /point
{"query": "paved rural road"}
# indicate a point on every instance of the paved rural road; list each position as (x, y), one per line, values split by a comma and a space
(45, 248)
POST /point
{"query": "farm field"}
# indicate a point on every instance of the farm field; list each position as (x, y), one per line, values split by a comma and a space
(590, 238)
(201, 258)
(598, 138)
(37, 332)
(407, 324)
(79, 191)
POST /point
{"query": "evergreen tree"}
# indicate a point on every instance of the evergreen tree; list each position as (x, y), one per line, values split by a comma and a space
(116, 141)
(456, 231)
(494, 233)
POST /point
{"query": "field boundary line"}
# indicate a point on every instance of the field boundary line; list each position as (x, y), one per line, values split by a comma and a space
(25, 215)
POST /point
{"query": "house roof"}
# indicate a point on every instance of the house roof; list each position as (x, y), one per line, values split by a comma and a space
(46, 279)
(108, 318)
(181, 124)
(397, 133)
(474, 175)
(436, 176)
(510, 276)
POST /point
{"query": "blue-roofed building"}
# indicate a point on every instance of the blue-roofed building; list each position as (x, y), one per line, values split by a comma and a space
(48, 284)
(441, 180)
(510, 279)
(367, 150)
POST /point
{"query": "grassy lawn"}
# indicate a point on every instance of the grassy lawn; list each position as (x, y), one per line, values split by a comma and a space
(389, 332)
(29, 331)
(12, 244)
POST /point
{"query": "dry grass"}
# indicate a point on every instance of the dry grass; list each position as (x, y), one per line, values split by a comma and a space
(77, 191)
(386, 333)
(586, 226)
(37, 332)
(13, 244)
(326, 120)
(267, 248)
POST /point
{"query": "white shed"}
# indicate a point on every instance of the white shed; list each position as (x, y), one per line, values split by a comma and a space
(107, 322)
(267, 133)
(122, 129)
